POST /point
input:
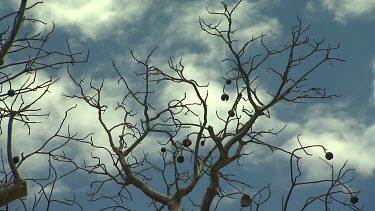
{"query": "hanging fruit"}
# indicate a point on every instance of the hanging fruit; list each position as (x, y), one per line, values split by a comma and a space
(16, 159)
(329, 155)
(180, 159)
(11, 92)
(186, 142)
(224, 97)
(246, 200)
(354, 199)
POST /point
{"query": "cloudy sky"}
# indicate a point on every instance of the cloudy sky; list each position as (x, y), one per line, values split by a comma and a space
(108, 29)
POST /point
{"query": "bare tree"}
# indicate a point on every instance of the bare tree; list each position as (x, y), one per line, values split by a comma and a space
(22, 57)
(193, 151)
(182, 129)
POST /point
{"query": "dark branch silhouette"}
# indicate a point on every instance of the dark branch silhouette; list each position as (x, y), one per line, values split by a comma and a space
(21, 59)
(194, 151)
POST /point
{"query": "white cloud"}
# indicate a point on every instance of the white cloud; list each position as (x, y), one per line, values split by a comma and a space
(94, 19)
(247, 20)
(204, 65)
(345, 136)
(344, 10)
(373, 80)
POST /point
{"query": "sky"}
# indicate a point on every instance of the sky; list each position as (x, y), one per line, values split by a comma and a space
(108, 29)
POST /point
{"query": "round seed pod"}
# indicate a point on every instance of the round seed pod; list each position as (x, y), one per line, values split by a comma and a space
(329, 155)
(180, 159)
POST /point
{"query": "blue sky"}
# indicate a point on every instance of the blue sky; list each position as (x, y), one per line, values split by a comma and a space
(108, 29)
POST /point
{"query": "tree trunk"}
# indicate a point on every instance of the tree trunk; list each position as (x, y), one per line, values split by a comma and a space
(12, 192)
(174, 206)
(211, 191)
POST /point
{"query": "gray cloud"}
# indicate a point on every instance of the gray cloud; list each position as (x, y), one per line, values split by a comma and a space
(344, 10)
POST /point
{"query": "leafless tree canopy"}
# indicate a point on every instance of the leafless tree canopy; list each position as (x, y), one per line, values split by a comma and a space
(193, 154)
(22, 56)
